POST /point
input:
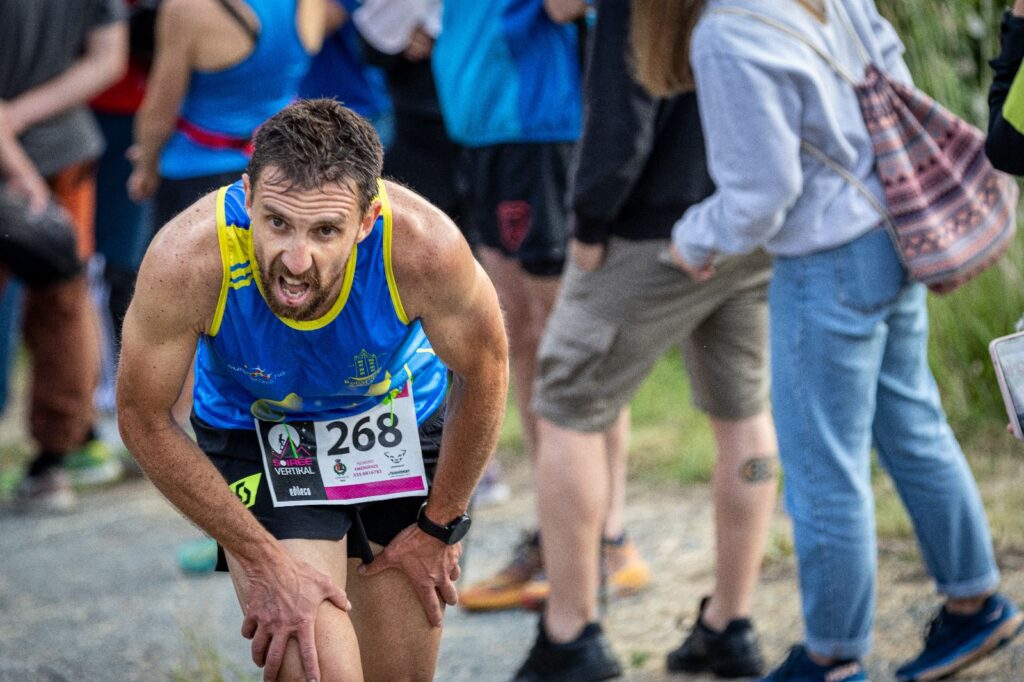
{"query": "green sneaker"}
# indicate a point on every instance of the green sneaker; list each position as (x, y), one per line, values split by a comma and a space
(198, 556)
(95, 463)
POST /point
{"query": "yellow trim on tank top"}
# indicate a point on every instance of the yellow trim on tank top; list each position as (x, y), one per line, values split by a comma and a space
(222, 299)
(389, 270)
(326, 318)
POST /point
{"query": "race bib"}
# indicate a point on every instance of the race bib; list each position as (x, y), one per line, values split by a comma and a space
(370, 456)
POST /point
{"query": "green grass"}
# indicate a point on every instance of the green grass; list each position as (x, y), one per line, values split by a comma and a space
(948, 46)
(669, 440)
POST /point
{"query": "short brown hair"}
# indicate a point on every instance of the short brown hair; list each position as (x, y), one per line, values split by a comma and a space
(660, 37)
(318, 141)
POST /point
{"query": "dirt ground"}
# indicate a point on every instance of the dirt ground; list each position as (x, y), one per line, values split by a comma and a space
(97, 595)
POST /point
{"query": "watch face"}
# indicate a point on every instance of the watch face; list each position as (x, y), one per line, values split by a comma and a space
(459, 528)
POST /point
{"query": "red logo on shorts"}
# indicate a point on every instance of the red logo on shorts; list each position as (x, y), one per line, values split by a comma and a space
(515, 218)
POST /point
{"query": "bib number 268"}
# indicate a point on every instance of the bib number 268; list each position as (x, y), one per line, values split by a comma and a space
(364, 435)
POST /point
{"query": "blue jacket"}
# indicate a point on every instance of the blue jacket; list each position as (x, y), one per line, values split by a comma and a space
(506, 73)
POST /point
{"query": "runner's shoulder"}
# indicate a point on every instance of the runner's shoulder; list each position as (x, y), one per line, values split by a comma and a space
(427, 247)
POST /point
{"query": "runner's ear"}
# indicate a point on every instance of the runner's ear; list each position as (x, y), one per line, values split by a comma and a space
(247, 186)
(368, 220)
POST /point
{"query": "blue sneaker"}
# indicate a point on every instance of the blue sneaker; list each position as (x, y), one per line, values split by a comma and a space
(798, 667)
(198, 556)
(953, 642)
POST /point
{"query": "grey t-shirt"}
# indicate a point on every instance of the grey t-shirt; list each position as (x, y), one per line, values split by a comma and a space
(39, 39)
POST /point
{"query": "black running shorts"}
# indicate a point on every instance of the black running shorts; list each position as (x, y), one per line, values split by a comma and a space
(516, 197)
(236, 454)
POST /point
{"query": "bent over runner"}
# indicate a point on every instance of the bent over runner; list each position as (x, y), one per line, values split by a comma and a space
(350, 359)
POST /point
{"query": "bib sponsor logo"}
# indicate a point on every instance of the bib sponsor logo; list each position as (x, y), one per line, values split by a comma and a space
(283, 441)
(395, 457)
(296, 491)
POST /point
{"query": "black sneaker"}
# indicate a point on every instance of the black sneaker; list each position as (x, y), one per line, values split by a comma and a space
(734, 652)
(587, 658)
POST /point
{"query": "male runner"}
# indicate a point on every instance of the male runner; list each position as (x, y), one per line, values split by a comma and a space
(323, 303)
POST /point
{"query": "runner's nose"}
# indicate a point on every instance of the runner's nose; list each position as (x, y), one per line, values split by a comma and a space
(297, 258)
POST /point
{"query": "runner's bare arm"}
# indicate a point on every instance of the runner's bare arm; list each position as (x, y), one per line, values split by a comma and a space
(175, 297)
(442, 284)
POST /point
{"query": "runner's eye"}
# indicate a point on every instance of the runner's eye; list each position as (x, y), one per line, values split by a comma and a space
(276, 222)
(328, 230)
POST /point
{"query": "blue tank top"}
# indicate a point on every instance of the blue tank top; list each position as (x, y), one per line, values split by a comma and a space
(256, 364)
(235, 101)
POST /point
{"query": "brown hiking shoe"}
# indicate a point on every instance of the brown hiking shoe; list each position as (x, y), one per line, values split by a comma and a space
(504, 590)
(625, 570)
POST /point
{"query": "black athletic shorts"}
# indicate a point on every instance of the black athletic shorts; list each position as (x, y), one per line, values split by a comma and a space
(236, 454)
(516, 196)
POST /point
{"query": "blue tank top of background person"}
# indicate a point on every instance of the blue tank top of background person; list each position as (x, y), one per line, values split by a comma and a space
(234, 102)
(339, 72)
(253, 363)
(506, 73)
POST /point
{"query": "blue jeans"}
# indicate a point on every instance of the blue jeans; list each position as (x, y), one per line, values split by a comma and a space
(850, 369)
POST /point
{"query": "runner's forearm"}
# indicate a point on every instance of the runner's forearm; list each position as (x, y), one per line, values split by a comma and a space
(187, 478)
(473, 422)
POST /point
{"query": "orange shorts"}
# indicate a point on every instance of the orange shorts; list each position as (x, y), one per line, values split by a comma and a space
(74, 188)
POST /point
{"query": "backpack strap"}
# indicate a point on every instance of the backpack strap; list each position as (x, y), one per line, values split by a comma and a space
(844, 18)
(844, 173)
(806, 146)
(797, 35)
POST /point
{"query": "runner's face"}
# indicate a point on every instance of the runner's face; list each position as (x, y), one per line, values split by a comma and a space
(302, 240)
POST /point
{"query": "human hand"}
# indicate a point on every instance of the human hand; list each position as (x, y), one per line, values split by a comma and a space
(30, 186)
(145, 177)
(281, 604)
(564, 11)
(431, 566)
(17, 169)
(421, 44)
(587, 257)
(698, 274)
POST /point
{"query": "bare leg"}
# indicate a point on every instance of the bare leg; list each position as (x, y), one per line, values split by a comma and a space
(745, 487)
(526, 301)
(616, 449)
(336, 642)
(395, 640)
(572, 500)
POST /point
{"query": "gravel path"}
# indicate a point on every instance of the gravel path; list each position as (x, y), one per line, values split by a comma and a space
(97, 596)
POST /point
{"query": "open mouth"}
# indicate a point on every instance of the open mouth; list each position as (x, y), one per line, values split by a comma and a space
(293, 293)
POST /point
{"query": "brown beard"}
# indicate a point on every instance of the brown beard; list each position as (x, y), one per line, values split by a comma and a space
(311, 309)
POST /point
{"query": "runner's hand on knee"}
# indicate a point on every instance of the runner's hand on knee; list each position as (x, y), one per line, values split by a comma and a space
(431, 566)
(281, 603)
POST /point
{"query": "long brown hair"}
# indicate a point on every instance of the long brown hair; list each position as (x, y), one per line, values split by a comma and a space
(660, 32)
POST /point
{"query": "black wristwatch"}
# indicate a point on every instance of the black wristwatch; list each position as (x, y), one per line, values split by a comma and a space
(450, 533)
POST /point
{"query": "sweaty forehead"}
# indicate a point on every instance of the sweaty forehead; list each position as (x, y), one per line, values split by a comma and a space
(283, 196)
